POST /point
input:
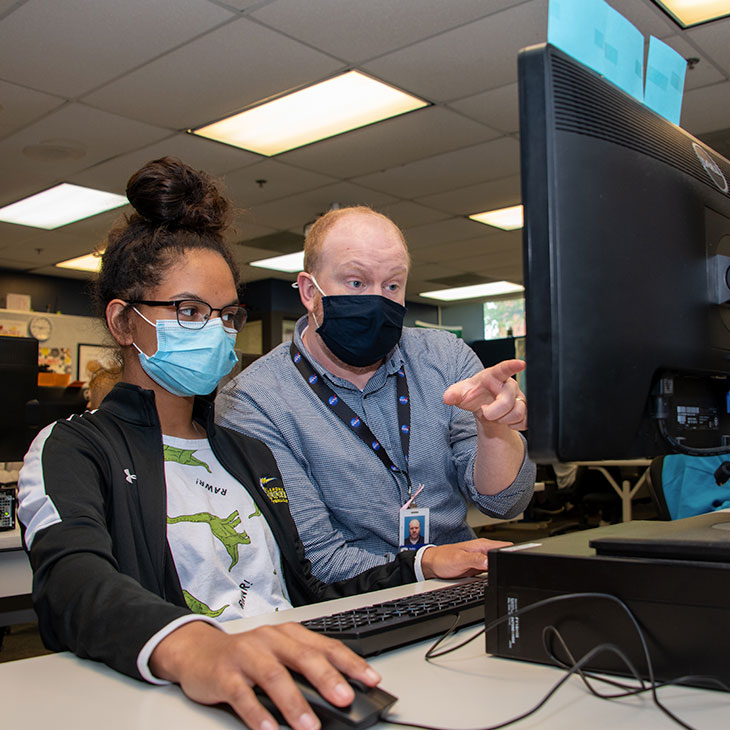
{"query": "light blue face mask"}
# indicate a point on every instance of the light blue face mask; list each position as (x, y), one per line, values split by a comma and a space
(189, 362)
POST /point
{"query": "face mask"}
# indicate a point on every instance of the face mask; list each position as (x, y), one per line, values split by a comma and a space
(189, 362)
(360, 329)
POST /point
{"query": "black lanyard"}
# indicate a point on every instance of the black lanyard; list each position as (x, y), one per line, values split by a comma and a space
(352, 420)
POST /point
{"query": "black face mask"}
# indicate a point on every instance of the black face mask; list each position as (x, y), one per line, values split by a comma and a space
(361, 329)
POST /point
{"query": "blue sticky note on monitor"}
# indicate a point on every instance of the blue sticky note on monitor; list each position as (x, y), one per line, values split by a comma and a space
(578, 27)
(624, 54)
(665, 71)
(599, 37)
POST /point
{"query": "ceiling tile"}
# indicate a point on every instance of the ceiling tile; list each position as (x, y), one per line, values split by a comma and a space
(407, 214)
(441, 233)
(487, 161)
(202, 154)
(467, 60)
(477, 198)
(392, 142)
(497, 108)
(20, 106)
(214, 76)
(713, 39)
(706, 109)
(359, 30)
(97, 40)
(295, 212)
(103, 135)
(280, 181)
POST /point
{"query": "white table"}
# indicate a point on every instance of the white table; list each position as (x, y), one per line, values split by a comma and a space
(626, 490)
(467, 689)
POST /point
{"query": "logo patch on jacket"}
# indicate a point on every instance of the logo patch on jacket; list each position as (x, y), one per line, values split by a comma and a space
(276, 495)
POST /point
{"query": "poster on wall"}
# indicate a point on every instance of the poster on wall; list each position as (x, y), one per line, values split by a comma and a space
(95, 355)
(13, 327)
(55, 359)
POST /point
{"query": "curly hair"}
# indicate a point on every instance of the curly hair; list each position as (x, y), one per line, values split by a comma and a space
(177, 209)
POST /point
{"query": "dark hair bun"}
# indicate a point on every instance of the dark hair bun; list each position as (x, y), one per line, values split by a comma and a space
(167, 192)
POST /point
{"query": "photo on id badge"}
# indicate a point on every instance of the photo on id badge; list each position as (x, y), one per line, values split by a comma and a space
(413, 528)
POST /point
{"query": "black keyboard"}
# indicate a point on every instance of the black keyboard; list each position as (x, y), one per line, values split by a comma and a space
(383, 626)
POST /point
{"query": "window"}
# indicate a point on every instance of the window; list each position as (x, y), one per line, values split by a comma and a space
(504, 318)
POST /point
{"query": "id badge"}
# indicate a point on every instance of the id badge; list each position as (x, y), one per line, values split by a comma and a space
(413, 528)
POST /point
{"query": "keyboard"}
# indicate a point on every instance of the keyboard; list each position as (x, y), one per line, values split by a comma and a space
(384, 626)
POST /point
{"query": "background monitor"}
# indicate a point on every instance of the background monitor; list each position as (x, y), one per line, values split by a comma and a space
(626, 253)
(18, 385)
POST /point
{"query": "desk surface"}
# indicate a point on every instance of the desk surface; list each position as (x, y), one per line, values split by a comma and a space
(466, 689)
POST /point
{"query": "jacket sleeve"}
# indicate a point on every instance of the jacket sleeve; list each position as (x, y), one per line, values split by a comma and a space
(84, 603)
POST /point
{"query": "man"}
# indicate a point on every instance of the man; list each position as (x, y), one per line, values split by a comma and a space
(414, 533)
(359, 415)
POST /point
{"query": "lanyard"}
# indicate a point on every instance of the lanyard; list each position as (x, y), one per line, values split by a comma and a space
(353, 421)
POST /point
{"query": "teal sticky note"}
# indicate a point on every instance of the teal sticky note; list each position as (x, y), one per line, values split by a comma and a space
(595, 34)
(665, 71)
(624, 54)
(578, 27)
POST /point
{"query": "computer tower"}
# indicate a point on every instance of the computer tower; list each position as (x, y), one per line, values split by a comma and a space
(682, 606)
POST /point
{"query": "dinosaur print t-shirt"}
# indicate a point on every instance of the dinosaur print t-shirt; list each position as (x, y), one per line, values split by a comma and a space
(225, 554)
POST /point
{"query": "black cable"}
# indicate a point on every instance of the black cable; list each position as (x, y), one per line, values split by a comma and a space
(679, 447)
(577, 666)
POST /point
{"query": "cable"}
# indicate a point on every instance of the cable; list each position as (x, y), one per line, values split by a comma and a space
(576, 667)
(679, 447)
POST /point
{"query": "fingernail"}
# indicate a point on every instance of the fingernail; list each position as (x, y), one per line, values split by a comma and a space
(308, 721)
(268, 725)
(372, 676)
(343, 692)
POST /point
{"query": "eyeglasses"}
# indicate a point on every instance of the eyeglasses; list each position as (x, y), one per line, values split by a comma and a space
(192, 314)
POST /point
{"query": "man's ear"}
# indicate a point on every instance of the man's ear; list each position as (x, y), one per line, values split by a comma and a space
(116, 320)
(307, 290)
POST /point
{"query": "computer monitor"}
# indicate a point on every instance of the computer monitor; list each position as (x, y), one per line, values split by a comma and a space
(18, 385)
(626, 254)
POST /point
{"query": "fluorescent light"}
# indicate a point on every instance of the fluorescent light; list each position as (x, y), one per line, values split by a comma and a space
(89, 262)
(507, 219)
(693, 12)
(60, 205)
(288, 262)
(492, 289)
(331, 107)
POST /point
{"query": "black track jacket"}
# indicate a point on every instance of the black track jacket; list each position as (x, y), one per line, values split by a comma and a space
(93, 504)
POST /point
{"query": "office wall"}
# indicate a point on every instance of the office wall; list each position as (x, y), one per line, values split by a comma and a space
(48, 293)
(469, 316)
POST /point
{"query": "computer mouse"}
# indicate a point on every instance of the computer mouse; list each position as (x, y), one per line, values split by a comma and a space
(369, 705)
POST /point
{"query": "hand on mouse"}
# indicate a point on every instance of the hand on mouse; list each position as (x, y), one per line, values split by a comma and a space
(458, 560)
(212, 666)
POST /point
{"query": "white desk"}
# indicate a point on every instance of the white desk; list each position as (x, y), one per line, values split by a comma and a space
(626, 490)
(467, 689)
(16, 580)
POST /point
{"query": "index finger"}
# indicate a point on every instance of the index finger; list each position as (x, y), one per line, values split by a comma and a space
(507, 368)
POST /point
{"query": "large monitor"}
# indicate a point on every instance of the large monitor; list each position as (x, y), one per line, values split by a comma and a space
(18, 386)
(626, 254)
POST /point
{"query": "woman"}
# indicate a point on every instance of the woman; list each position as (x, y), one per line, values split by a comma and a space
(123, 506)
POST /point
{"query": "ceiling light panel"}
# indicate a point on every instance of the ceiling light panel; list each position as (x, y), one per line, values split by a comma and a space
(331, 107)
(693, 12)
(492, 289)
(508, 219)
(289, 263)
(60, 205)
(89, 262)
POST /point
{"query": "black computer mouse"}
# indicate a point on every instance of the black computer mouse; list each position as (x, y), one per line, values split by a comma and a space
(369, 705)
